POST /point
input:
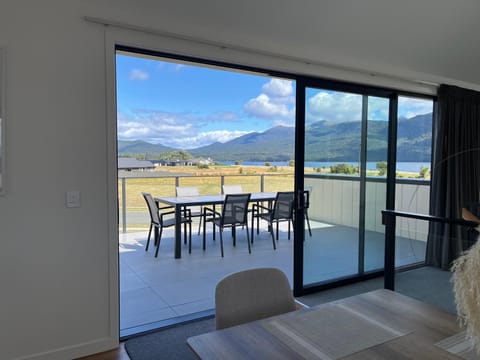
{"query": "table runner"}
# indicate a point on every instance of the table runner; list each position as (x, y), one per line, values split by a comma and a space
(349, 331)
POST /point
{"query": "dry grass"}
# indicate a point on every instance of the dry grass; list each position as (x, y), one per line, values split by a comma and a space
(208, 181)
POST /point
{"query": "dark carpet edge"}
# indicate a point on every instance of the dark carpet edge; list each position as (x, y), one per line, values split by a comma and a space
(169, 342)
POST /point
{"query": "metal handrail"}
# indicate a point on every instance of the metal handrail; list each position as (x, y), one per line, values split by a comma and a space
(389, 220)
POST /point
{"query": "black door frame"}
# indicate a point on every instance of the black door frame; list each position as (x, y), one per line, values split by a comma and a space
(366, 91)
(301, 82)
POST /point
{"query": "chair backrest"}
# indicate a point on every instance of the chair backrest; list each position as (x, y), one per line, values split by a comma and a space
(283, 207)
(187, 191)
(251, 295)
(306, 199)
(232, 189)
(235, 209)
(152, 208)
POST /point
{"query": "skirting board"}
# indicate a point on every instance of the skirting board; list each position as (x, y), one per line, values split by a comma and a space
(75, 351)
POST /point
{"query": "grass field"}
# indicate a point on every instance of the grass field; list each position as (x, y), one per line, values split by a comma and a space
(208, 181)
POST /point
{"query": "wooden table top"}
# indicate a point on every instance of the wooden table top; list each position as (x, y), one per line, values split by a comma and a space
(381, 324)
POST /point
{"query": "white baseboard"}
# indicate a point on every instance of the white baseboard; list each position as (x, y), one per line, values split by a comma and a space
(75, 351)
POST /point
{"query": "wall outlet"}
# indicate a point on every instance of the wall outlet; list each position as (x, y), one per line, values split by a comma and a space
(72, 199)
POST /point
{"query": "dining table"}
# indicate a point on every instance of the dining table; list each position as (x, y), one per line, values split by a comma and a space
(180, 202)
(380, 324)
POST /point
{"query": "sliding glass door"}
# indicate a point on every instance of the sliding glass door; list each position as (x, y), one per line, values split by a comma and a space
(345, 142)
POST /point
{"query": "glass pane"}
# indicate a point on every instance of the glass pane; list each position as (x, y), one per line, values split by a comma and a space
(332, 155)
(375, 187)
(413, 166)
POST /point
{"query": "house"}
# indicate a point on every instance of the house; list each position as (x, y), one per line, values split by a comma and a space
(58, 269)
(130, 164)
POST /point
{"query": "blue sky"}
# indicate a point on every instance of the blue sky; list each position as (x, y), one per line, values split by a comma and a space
(185, 106)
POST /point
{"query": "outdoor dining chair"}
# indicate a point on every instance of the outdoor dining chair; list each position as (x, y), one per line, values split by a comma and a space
(306, 205)
(281, 210)
(232, 189)
(158, 221)
(234, 213)
(195, 211)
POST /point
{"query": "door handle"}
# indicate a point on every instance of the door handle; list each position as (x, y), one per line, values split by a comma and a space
(300, 200)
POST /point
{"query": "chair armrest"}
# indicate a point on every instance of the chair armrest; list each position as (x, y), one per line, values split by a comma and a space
(257, 207)
(164, 207)
(211, 211)
(187, 214)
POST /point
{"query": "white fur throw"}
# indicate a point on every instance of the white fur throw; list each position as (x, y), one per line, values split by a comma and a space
(466, 286)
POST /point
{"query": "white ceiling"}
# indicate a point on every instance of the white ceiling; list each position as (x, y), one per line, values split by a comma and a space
(429, 40)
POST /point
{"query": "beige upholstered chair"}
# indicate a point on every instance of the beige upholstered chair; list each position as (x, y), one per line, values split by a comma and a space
(251, 295)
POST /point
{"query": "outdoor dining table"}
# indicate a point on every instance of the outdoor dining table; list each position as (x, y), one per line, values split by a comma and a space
(179, 202)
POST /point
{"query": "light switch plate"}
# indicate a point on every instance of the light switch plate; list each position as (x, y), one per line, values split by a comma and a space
(72, 199)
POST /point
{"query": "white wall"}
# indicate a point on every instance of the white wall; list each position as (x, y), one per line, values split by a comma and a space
(58, 266)
(54, 262)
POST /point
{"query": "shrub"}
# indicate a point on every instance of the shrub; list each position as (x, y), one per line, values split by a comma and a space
(424, 172)
(343, 169)
(382, 168)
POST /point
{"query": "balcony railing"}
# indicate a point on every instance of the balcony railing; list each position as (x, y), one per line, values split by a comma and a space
(333, 199)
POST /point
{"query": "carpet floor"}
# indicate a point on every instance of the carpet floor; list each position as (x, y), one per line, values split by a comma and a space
(170, 343)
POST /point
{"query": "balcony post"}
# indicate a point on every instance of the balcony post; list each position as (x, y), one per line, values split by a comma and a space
(124, 205)
(389, 221)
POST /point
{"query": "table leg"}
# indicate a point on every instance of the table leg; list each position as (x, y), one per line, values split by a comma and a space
(178, 232)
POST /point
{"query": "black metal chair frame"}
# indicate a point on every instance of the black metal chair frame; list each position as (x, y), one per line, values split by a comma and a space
(158, 221)
(275, 214)
(306, 205)
(199, 214)
(228, 217)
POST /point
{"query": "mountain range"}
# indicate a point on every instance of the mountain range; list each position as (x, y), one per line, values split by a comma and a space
(324, 141)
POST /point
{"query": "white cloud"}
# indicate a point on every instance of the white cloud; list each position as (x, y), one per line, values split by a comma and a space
(410, 107)
(177, 130)
(137, 74)
(275, 102)
(207, 137)
(278, 88)
(262, 106)
(334, 106)
(378, 108)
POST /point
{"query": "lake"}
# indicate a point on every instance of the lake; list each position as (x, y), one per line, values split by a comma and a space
(401, 166)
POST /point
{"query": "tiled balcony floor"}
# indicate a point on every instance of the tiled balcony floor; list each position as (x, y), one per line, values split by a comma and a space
(154, 289)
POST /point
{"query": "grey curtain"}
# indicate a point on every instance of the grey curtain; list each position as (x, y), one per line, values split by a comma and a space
(455, 170)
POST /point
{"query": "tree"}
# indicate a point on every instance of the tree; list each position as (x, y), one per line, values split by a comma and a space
(424, 172)
(382, 168)
(342, 169)
(291, 163)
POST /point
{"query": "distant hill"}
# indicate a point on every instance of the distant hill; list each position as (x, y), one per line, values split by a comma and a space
(140, 147)
(275, 144)
(324, 141)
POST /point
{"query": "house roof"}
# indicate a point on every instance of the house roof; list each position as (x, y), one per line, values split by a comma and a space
(132, 163)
